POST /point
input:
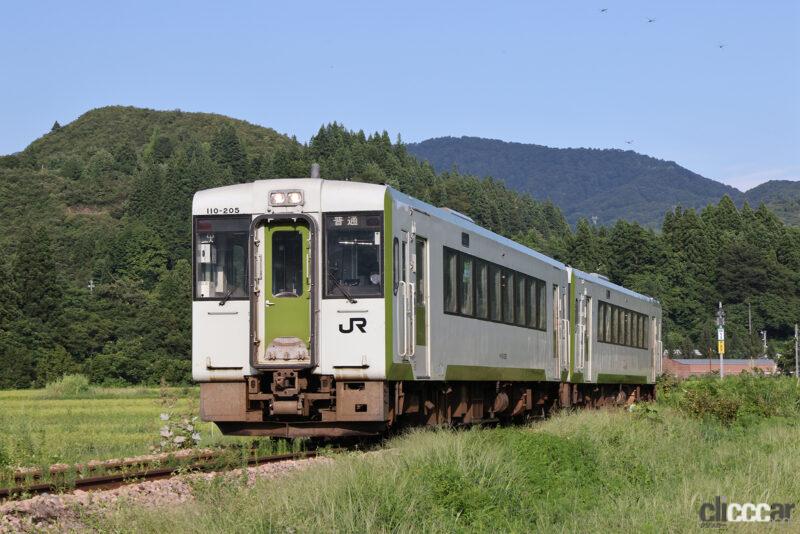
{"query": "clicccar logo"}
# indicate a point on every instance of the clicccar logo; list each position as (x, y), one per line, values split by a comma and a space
(720, 512)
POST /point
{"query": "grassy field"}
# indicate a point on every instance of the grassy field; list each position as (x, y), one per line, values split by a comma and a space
(42, 427)
(649, 469)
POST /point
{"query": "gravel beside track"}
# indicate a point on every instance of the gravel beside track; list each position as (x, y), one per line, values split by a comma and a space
(60, 513)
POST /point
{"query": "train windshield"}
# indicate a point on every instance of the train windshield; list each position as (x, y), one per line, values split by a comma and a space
(353, 245)
(220, 254)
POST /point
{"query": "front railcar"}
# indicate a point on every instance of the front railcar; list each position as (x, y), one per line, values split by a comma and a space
(288, 315)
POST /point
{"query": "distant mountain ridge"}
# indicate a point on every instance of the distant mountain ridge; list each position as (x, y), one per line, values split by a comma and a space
(602, 185)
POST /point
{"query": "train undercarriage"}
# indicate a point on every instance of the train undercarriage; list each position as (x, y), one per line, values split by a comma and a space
(290, 403)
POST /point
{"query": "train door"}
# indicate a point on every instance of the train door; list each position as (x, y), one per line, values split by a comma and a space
(583, 326)
(413, 302)
(655, 345)
(560, 331)
(287, 294)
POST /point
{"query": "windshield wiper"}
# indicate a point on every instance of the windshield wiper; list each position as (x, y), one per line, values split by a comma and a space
(339, 284)
(227, 296)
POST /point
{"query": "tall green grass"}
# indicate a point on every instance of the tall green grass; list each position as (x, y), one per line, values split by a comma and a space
(592, 471)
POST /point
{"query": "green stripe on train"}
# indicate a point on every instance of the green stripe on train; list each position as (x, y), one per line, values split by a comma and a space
(620, 379)
(478, 372)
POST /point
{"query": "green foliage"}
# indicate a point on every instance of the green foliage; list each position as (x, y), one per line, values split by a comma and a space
(744, 399)
(67, 387)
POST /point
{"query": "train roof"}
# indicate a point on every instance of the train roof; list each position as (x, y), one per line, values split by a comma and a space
(466, 223)
(610, 285)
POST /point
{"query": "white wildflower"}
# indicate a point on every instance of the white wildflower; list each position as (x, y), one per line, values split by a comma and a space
(165, 417)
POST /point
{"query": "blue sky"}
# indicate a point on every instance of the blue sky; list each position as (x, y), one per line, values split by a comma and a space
(552, 72)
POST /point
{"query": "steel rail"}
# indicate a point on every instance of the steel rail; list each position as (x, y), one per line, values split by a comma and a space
(115, 480)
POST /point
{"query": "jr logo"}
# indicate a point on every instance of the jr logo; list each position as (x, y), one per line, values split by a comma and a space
(358, 322)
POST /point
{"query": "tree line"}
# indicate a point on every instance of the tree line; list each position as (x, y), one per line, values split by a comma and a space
(97, 273)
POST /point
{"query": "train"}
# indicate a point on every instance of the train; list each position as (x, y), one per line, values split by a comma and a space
(328, 309)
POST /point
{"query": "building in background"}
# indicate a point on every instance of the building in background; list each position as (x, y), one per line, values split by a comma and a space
(684, 367)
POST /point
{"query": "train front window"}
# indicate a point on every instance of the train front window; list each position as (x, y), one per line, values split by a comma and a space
(220, 255)
(353, 259)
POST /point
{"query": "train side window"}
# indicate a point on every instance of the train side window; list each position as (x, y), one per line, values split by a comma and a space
(495, 293)
(396, 263)
(508, 296)
(641, 332)
(541, 304)
(645, 331)
(520, 298)
(481, 290)
(635, 328)
(530, 311)
(465, 285)
(614, 323)
(607, 336)
(450, 300)
(601, 321)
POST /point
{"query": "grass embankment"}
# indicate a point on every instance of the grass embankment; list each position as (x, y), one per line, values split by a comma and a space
(595, 471)
(75, 424)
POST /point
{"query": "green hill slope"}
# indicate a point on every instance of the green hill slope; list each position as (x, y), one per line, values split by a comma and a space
(111, 127)
(781, 196)
(606, 184)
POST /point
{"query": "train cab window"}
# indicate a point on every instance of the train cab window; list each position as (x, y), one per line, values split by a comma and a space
(450, 264)
(466, 303)
(495, 293)
(508, 296)
(220, 251)
(481, 290)
(287, 264)
(353, 260)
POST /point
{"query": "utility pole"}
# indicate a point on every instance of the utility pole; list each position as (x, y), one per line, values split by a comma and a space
(721, 339)
(764, 339)
(796, 370)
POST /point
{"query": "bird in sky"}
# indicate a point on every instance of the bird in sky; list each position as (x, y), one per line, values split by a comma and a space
(603, 10)
(651, 20)
(721, 45)
(630, 142)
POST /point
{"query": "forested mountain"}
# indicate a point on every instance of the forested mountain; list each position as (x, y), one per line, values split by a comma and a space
(606, 184)
(95, 241)
(781, 196)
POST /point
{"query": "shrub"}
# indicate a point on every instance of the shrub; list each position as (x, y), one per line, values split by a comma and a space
(68, 386)
(742, 399)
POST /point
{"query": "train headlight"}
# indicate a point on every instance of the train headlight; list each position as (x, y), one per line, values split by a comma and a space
(285, 198)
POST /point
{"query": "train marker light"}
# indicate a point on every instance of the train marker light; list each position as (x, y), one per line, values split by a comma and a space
(285, 198)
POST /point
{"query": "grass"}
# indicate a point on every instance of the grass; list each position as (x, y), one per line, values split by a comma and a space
(590, 471)
(46, 426)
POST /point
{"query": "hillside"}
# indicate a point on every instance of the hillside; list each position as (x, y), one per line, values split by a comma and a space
(781, 196)
(111, 127)
(607, 184)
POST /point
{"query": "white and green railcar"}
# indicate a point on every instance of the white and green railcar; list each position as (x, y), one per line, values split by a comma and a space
(327, 308)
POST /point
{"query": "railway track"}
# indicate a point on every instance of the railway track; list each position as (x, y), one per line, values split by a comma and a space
(35, 483)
